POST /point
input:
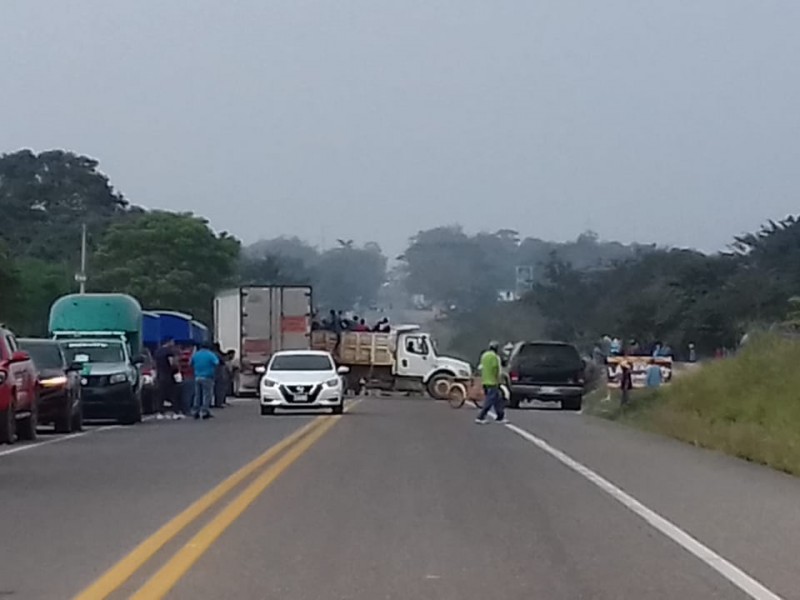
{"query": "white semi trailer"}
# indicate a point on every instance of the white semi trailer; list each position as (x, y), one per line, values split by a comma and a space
(257, 321)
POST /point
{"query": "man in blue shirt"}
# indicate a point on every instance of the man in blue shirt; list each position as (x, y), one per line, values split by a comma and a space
(204, 363)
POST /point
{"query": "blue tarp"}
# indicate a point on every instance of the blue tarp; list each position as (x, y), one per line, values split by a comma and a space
(200, 333)
(175, 325)
(151, 330)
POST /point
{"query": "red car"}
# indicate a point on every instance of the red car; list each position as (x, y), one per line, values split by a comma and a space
(18, 391)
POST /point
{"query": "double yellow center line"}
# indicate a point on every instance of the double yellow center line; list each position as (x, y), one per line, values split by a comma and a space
(167, 576)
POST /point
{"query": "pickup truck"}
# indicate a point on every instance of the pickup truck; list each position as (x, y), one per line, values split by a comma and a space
(403, 360)
(18, 391)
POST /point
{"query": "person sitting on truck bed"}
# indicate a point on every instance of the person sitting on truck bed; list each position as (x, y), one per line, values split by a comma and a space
(362, 326)
(382, 326)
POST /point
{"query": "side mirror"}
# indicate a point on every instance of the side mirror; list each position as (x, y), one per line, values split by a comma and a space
(20, 356)
(343, 370)
(138, 360)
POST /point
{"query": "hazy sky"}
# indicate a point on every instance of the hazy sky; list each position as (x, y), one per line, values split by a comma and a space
(675, 121)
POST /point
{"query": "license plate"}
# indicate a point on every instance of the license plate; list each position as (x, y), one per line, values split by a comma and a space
(301, 398)
(549, 390)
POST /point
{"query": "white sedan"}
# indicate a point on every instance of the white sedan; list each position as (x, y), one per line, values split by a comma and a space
(302, 379)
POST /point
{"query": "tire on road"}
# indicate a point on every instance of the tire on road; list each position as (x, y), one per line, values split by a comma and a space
(77, 420)
(8, 426)
(573, 403)
(267, 410)
(26, 428)
(515, 400)
(439, 386)
(133, 415)
(457, 395)
(339, 409)
(65, 422)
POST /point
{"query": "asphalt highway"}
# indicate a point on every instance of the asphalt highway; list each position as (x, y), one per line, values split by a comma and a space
(399, 498)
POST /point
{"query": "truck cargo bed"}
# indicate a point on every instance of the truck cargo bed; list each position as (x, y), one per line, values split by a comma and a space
(357, 348)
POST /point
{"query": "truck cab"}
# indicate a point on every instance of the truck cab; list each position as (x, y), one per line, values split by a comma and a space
(416, 358)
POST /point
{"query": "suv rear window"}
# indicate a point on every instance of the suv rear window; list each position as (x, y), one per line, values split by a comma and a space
(549, 355)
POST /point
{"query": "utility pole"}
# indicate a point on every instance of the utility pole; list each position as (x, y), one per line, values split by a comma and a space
(81, 276)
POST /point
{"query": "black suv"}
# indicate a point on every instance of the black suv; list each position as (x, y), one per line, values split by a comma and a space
(546, 371)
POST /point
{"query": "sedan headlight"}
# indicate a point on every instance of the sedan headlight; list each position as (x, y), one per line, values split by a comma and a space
(268, 383)
(50, 382)
(333, 382)
(118, 378)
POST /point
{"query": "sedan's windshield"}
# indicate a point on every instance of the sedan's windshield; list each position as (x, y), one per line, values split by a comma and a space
(45, 355)
(301, 362)
(94, 352)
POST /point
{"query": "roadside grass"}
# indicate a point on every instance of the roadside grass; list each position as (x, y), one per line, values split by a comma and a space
(747, 406)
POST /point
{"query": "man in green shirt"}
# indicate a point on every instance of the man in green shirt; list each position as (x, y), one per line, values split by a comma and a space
(490, 378)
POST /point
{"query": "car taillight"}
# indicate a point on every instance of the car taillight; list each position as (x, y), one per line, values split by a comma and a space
(514, 376)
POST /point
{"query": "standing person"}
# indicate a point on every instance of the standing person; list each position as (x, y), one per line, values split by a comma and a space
(230, 362)
(166, 367)
(626, 381)
(490, 378)
(204, 364)
(187, 381)
(653, 374)
(336, 328)
(221, 377)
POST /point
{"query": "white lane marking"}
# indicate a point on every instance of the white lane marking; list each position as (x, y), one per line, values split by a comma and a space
(728, 570)
(56, 440)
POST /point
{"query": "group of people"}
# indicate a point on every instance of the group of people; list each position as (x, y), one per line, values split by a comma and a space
(192, 379)
(337, 322)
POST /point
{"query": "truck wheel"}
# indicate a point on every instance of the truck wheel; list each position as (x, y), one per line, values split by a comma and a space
(27, 429)
(133, 414)
(77, 420)
(267, 410)
(8, 426)
(573, 403)
(65, 422)
(439, 386)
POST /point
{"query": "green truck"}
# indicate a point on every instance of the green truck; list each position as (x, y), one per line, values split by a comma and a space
(104, 333)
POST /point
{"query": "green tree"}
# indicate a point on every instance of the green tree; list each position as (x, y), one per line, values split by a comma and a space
(46, 197)
(9, 282)
(39, 284)
(166, 260)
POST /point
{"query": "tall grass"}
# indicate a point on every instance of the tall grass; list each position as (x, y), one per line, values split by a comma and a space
(747, 406)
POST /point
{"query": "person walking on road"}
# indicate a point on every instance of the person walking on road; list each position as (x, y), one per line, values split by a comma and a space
(166, 368)
(204, 364)
(490, 378)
